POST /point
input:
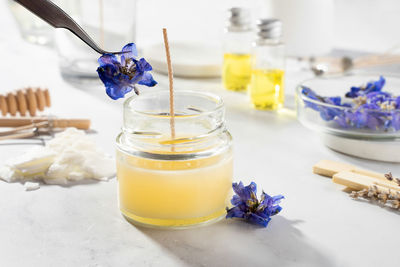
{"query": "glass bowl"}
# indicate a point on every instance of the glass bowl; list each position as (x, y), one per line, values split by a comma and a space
(365, 142)
(333, 124)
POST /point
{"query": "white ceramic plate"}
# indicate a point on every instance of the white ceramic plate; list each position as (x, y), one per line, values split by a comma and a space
(388, 151)
(192, 60)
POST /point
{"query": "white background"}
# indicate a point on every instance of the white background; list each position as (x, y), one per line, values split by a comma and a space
(369, 25)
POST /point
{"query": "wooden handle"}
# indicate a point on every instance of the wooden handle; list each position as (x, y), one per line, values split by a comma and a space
(83, 124)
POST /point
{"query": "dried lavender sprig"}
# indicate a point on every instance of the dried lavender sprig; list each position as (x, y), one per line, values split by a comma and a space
(390, 177)
(390, 198)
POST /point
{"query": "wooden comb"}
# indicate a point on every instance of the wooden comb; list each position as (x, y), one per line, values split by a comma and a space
(25, 100)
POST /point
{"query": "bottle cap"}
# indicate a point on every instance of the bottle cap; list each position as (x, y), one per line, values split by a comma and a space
(269, 28)
(238, 19)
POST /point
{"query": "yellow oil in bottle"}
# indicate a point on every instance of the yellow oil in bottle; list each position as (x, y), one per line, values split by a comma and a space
(236, 71)
(266, 88)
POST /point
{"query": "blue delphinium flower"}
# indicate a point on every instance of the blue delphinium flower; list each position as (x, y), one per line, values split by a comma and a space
(326, 113)
(120, 76)
(247, 206)
(370, 107)
(372, 86)
(395, 122)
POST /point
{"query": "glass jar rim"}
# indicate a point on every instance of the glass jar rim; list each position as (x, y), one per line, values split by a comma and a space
(199, 125)
(219, 103)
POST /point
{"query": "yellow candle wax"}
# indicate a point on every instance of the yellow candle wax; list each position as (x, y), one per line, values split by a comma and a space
(174, 193)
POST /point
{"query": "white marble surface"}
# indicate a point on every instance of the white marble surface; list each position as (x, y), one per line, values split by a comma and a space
(81, 225)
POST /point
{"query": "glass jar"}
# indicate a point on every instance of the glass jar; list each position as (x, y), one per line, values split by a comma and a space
(32, 28)
(177, 182)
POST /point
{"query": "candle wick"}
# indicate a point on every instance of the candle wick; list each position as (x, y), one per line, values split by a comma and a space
(171, 86)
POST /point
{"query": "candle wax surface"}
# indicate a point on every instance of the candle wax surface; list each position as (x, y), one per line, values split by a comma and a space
(170, 193)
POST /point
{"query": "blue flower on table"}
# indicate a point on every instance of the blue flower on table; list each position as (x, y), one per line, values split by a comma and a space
(120, 76)
(247, 206)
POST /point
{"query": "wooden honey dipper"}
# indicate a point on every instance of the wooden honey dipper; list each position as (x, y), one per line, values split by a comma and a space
(24, 100)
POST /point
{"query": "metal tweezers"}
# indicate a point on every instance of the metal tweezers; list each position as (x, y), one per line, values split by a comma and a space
(26, 131)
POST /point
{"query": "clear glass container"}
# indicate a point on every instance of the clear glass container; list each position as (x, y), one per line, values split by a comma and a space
(110, 23)
(266, 87)
(174, 183)
(316, 114)
(32, 28)
(342, 135)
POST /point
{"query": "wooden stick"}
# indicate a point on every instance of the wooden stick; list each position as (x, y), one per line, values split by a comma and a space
(17, 136)
(83, 124)
(357, 181)
(25, 127)
(329, 168)
(171, 85)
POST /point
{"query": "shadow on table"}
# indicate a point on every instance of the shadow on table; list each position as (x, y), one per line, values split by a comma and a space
(233, 243)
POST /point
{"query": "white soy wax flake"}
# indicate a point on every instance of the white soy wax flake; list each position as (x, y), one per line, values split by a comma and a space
(70, 156)
(30, 186)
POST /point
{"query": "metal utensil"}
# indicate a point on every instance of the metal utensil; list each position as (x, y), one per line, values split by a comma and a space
(331, 65)
(57, 18)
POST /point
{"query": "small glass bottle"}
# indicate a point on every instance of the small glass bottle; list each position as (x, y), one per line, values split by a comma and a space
(237, 50)
(266, 88)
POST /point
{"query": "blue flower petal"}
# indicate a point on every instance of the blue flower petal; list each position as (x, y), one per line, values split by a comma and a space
(147, 79)
(130, 50)
(236, 200)
(397, 102)
(120, 77)
(254, 218)
(235, 212)
(372, 86)
(247, 206)
(244, 192)
(117, 92)
(374, 109)
(396, 120)
(108, 59)
(117, 84)
(143, 65)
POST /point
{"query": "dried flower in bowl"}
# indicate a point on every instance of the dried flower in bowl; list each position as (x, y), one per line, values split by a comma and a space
(120, 75)
(247, 206)
(362, 107)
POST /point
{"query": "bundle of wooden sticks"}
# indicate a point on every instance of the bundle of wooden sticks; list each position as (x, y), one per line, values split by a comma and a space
(26, 103)
(362, 182)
